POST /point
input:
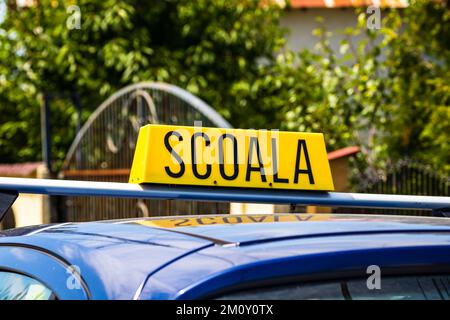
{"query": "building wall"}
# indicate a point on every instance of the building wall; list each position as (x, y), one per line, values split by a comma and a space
(28, 210)
(301, 24)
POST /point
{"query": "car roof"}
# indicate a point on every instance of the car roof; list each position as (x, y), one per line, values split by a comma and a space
(120, 255)
(271, 227)
(242, 228)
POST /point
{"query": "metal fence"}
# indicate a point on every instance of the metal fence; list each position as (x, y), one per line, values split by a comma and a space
(403, 177)
(104, 148)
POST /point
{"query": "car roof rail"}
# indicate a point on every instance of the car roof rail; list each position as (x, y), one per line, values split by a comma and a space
(10, 187)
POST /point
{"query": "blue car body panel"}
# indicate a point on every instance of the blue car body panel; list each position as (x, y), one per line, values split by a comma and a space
(213, 269)
(114, 260)
(127, 259)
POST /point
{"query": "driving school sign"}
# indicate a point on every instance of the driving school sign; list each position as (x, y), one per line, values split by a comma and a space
(231, 158)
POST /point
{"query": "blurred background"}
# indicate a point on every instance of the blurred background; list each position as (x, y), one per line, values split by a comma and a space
(78, 79)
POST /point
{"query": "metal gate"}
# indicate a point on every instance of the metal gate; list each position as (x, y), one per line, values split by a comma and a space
(404, 177)
(103, 150)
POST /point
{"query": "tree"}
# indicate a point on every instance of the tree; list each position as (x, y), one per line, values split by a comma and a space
(386, 90)
(203, 46)
(400, 82)
(418, 83)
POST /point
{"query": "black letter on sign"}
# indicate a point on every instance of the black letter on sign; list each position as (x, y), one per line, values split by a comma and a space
(275, 163)
(302, 145)
(260, 168)
(194, 160)
(174, 154)
(222, 158)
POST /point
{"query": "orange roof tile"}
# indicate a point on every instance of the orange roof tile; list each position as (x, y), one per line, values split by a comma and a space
(298, 4)
(18, 169)
(345, 152)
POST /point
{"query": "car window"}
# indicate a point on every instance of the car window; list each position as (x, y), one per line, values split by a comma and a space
(391, 288)
(14, 286)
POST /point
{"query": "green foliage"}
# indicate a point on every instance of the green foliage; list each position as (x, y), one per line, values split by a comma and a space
(386, 90)
(204, 46)
(418, 65)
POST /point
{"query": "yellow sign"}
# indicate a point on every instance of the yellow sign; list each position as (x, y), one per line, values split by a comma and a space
(230, 219)
(202, 156)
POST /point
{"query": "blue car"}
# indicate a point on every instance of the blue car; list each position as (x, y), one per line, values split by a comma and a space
(251, 257)
(232, 257)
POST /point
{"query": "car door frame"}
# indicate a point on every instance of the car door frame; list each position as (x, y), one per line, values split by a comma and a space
(328, 266)
(44, 266)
